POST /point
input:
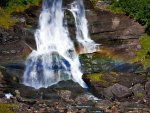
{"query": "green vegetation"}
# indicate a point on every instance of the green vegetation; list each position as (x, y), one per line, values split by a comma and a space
(139, 95)
(94, 2)
(138, 9)
(143, 54)
(115, 10)
(97, 77)
(7, 108)
(10, 6)
(94, 76)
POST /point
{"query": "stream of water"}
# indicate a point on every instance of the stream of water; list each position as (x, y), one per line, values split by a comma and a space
(56, 58)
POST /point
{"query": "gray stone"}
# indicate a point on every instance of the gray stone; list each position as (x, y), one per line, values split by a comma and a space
(138, 91)
(104, 104)
(120, 91)
(108, 93)
(147, 87)
(64, 94)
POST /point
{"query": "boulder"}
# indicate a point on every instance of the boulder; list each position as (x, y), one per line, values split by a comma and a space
(120, 91)
(108, 93)
(147, 87)
(116, 91)
(138, 91)
(65, 90)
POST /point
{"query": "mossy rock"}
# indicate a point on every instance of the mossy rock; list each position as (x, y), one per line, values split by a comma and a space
(11, 7)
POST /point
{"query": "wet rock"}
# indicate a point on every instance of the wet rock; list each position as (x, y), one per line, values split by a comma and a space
(97, 62)
(27, 92)
(69, 85)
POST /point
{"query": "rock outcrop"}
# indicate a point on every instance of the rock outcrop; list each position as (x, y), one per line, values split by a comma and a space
(116, 32)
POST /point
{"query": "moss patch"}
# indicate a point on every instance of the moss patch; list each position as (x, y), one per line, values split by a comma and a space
(140, 95)
(94, 76)
(14, 6)
(142, 55)
(7, 108)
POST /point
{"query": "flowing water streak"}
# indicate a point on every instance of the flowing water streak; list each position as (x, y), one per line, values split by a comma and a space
(86, 45)
(55, 58)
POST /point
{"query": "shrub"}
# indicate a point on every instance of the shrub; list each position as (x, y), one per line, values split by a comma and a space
(142, 55)
(138, 9)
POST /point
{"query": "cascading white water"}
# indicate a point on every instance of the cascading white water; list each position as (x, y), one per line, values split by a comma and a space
(55, 58)
(82, 34)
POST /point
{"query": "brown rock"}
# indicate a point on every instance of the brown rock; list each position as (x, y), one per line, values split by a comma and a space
(116, 32)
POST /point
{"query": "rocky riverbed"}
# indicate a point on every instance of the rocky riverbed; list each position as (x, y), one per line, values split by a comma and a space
(118, 88)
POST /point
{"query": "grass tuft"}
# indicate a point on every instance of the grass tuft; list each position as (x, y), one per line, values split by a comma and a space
(143, 56)
(14, 6)
(7, 108)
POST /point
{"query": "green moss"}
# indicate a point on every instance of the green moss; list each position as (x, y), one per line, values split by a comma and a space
(139, 95)
(14, 6)
(7, 108)
(95, 76)
(141, 55)
(114, 9)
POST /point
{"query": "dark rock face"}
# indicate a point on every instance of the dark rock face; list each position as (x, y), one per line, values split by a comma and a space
(2, 84)
(12, 47)
(116, 32)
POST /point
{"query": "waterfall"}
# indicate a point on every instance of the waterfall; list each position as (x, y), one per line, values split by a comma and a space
(86, 45)
(55, 58)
